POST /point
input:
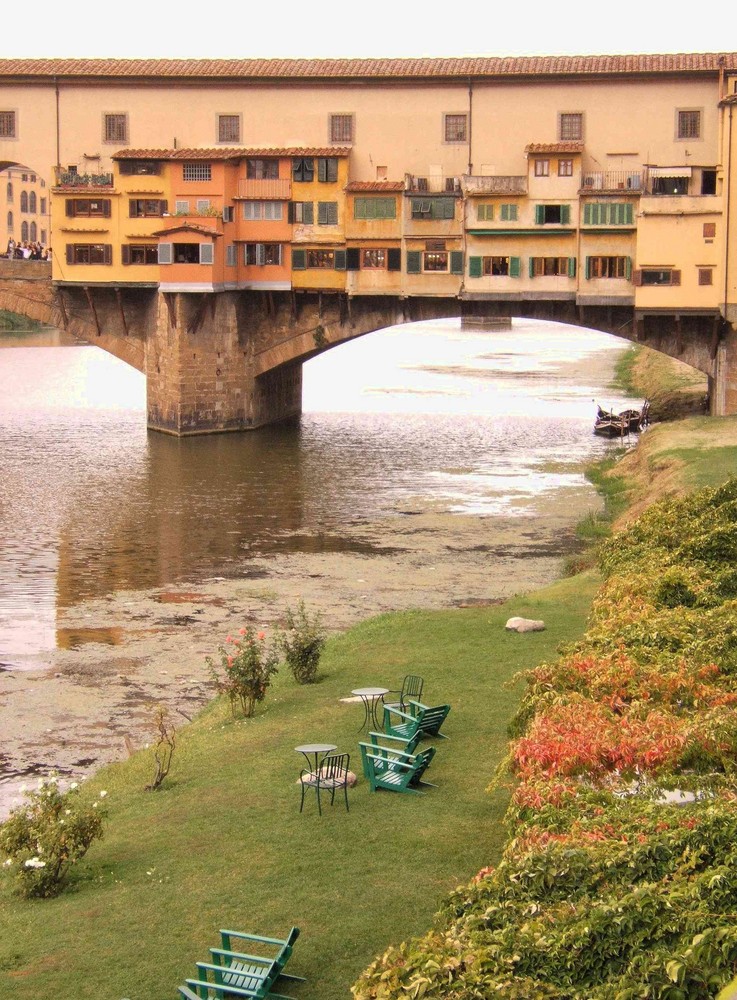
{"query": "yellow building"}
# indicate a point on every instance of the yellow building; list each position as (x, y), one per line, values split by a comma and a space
(24, 207)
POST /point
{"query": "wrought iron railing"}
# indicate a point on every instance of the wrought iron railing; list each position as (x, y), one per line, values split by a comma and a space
(612, 180)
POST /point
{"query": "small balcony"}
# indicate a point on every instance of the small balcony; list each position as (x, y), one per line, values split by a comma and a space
(495, 185)
(612, 180)
(432, 184)
(71, 179)
(273, 189)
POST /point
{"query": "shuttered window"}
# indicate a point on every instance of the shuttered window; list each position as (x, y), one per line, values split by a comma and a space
(327, 169)
(552, 215)
(374, 208)
(327, 213)
(433, 208)
(613, 213)
(485, 213)
(89, 253)
(508, 213)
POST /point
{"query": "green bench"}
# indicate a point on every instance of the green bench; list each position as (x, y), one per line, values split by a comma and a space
(240, 974)
(395, 770)
(419, 720)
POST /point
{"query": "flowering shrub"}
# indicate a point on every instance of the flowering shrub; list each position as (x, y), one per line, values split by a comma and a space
(302, 643)
(245, 669)
(47, 835)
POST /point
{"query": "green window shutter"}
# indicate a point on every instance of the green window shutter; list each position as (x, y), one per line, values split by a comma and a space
(414, 262)
(308, 213)
(299, 260)
(332, 213)
(340, 260)
(531, 264)
(628, 214)
(539, 217)
(587, 272)
(571, 267)
(394, 259)
(359, 208)
(353, 259)
(456, 262)
(587, 215)
(332, 169)
(322, 169)
(628, 268)
(565, 214)
(322, 213)
(474, 266)
(449, 208)
(515, 267)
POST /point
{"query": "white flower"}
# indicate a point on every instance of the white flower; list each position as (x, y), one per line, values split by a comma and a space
(103, 793)
(41, 783)
(35, 863)
(94, 805)
(8, 862)
(74, 784)
(67, 812)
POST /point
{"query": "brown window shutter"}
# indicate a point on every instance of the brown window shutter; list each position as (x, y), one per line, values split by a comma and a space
(70, 208)
(70, 253)
(125, 254)
(675, 277)
(108, 254)
(637, 277)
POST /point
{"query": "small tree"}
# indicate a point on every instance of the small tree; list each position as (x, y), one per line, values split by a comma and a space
(164, 746)
(245, 669)
(46, 836)
(302, 643)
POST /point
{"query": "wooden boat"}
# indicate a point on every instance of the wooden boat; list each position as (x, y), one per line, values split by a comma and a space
(610, 424)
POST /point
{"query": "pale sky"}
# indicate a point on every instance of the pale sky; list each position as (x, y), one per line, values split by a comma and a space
(242, 29)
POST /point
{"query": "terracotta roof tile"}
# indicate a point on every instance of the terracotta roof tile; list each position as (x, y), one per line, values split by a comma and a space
(375, 186)
(479, 66)
(554, 147)
(229, 152)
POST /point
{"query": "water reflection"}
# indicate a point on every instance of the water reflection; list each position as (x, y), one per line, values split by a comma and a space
(91, 503)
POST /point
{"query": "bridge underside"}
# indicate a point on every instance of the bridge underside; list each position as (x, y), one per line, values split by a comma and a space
(233, 360)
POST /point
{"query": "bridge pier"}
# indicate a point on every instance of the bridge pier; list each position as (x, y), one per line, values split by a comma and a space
(200, 372)
(723, 383)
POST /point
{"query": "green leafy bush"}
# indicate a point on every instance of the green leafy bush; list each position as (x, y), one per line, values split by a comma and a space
(302, 643)
(47, 835)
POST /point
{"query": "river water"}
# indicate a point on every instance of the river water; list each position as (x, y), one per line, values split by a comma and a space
(429, 420)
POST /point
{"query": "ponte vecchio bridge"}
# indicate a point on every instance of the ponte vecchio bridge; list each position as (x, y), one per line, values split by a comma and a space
(284, 208)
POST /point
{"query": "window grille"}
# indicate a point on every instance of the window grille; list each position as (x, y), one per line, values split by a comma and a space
(196, 171)
(115, 128)
(7, 125)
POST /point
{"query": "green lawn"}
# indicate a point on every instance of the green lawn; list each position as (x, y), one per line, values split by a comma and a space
(223, 844)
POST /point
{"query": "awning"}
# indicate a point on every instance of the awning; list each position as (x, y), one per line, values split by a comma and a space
(670, 171)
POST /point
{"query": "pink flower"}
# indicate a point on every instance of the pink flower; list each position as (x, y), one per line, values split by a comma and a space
(229, 638)
(241, 631)
(261, 635)
(230, 661)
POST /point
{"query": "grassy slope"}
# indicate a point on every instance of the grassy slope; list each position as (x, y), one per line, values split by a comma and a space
(223, 843)
(673, 388)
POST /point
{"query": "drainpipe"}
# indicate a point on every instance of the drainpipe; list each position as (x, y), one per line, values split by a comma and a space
(58, 134)
(470, 124)
(726, 212)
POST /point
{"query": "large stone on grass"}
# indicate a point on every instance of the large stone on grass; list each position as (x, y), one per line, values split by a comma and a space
(525, 625)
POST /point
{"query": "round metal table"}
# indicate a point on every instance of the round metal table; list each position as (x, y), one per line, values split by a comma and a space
(370, 696)
(316, 749)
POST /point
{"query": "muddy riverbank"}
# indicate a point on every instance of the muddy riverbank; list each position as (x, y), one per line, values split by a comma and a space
(89, 701)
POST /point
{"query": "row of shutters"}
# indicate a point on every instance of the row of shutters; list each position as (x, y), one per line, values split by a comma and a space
(349, 260)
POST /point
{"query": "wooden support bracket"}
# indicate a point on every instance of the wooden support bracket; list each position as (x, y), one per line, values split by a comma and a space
(170, 300)
(119, 297)
(63, 309)
(91, 303)
(200, 314)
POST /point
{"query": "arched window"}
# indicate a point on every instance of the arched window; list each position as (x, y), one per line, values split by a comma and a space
(24, 201)
(32, 203)
(10, 223)
(24, 232)
(10, 192)
(33, 232)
